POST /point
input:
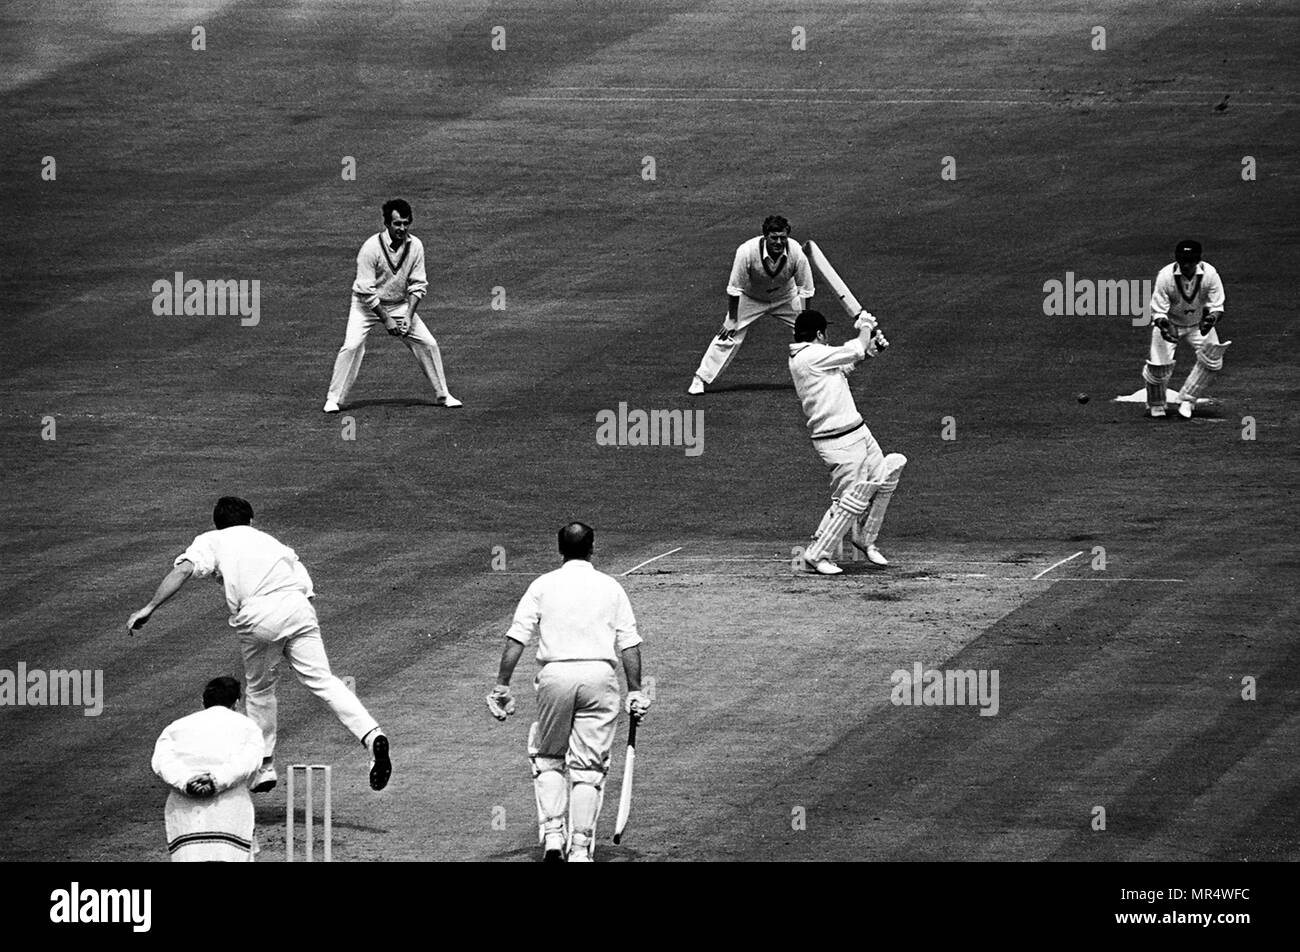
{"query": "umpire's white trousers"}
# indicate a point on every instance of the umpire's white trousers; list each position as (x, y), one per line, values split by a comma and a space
(284, 625)
(360, 322)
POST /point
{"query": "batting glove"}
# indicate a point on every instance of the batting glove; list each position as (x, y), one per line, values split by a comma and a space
(865, 319)
(877, 343)
(500, 703)
(1166, 329)
(1209, 320)
(637, 704)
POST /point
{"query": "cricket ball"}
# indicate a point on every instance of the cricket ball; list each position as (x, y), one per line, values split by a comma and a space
(1083, 398)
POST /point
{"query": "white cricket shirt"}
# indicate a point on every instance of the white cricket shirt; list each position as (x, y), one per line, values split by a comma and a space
(753, 275)
(1184, 301)
(248, 562)
(820, 374)
(217, 741)
(578, 614)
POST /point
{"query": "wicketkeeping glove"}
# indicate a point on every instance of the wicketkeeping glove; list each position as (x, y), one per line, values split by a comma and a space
(637, 704)
(500, 703)
(1166, 329)
(1209, 319)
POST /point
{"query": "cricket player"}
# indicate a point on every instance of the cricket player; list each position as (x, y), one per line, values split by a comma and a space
(1186, 304)
(389, 286)
(207, 759)
(585, 628)
(770, 275)
(863, 479)
(268, 593)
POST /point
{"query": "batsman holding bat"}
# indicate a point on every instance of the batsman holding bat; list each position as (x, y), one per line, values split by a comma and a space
(585, 627)
(863, 479)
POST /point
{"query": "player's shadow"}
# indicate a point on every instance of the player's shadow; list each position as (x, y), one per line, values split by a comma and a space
(390, 402)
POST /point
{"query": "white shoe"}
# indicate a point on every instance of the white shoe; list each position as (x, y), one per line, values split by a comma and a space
(264, 780)
(696, 388)
(580, 849)
(553, 848)
(874, 555)
(1185, 409)
(449, 401)
(1155, 411)
(331, 406)
(802, 566)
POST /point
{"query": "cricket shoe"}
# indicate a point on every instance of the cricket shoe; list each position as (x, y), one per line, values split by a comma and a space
(381, 768)
(331, 406)
(803, 566)
(449, 401)
(1155, 412)
(696, 388)
(553, 848)
(874, 555)
(580, 849)
(264, 780)
(1185, 409)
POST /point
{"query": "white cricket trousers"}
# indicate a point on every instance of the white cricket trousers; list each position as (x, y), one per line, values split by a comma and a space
(285, 626)
(726, 344)
(577, 706)
(360, 322)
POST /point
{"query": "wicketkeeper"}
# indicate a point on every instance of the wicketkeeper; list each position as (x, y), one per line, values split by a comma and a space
(1187, 304)
(585, 627)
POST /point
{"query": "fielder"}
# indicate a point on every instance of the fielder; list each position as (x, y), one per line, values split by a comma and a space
(1186, 304)
(863, 479)
(389, 286)
(268, 593)
(584, 625)
(207, 759)
(770, 275)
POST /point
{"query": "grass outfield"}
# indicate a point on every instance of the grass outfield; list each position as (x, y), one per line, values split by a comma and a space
(774, 735)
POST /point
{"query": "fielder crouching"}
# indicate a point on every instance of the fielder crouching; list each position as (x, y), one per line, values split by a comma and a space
(584, 625)
(1186, 304)
(863, 479)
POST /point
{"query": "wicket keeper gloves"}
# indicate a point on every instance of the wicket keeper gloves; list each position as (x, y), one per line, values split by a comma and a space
(637, 704)
(1166, 329)
(500, 703)
(1209, 320)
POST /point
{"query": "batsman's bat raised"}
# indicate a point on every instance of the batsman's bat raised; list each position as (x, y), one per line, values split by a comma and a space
(625, 794)
(842, 293)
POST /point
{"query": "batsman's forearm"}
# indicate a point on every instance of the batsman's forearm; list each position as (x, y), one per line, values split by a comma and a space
(509, 658)
(632, 667)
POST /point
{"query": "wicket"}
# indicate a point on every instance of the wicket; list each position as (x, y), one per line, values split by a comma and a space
(309, 771)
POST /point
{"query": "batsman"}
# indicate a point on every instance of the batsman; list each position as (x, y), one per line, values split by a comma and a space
(584, 626)
(863, 478)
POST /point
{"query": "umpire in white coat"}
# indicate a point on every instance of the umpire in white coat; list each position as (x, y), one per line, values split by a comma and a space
(207, 758)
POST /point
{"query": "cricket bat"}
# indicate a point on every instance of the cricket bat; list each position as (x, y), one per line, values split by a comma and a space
(625, 794)
(842, 293)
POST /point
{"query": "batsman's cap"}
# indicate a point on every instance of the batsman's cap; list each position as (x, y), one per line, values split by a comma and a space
(1187, 250)
(808, 323)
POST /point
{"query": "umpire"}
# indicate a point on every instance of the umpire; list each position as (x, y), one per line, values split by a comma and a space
(584, 625)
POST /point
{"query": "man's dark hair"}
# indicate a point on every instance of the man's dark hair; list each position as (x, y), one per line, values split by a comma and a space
(232, 511)
(221, 692)
(398, 205)
(576, 540)
(775, 223)
(808, 325)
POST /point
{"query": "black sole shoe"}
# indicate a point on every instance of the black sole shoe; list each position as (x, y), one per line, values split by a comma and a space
(382, 768)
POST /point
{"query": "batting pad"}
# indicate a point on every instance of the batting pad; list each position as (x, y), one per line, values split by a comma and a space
(869, 528)
(552, 792)
(844, 512)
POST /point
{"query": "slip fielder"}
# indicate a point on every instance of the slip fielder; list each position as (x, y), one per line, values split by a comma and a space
(769, 275)
(1186, 304)
(584, 626)
(863, 479)
(389, 286)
